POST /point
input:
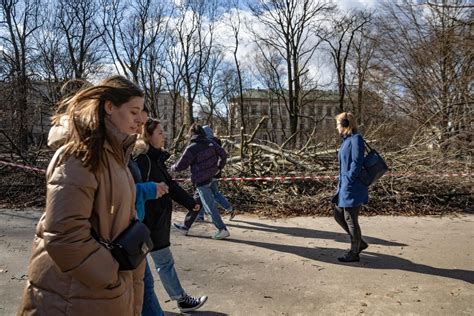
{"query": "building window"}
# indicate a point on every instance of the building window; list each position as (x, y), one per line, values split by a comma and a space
(253, 110)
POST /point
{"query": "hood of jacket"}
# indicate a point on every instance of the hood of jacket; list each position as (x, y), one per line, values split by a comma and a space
(58, 133)
(209, 132)
(199, 139)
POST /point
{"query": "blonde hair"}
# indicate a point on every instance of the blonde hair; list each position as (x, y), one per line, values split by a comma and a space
(86, 112)
(352, 127)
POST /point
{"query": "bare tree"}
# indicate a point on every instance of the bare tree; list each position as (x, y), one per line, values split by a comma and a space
(18, 22)
(362, 61)
(152, 75)
(78, 21)
(426, 54)
(213, 86)
(194, 31)
(52, 59)
(51, 67)
(172, 77)
(343, 30)
(235, 23)
(288, 42)
(131, 28)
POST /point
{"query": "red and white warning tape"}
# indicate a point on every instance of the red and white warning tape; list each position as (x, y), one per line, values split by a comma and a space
(281, 178)
(271, 179)
(294, 178)
(11, 164)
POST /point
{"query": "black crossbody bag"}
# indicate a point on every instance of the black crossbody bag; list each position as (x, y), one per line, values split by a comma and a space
(130, 248)
(373, 167)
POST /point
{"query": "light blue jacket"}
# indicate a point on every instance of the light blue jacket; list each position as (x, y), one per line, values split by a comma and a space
(351, 192)
(145, 191)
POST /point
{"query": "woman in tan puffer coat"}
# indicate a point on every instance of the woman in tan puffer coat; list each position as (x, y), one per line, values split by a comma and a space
(88, 187)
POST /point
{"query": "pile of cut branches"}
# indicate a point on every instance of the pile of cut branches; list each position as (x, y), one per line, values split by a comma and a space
(415, 186)
(20, 189)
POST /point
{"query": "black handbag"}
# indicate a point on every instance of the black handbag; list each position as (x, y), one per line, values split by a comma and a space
(130, 248)
(373, 167)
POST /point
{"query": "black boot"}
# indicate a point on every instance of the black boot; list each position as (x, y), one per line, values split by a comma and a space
(349, 257)
(363, 245)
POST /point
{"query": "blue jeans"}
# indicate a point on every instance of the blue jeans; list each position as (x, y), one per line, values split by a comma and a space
(164, 263)
(151, 306)
(218, 197)
(206, 193)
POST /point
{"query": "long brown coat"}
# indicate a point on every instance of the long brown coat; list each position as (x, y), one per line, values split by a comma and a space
(70, 273)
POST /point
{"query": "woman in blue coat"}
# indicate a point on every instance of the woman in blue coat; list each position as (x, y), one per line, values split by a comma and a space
(351, 192)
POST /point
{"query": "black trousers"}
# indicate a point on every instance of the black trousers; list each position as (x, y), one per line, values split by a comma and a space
(190, 218)
(348, 219)
(191, 215)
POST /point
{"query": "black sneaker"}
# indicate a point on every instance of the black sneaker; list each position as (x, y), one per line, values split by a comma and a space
(349, 257)
(190, 303)
(182, 228)
(231, 212)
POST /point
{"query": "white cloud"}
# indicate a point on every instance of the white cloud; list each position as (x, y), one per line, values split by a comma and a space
(357, 4)
(320, 69)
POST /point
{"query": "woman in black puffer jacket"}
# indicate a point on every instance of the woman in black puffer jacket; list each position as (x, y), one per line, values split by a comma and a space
(151, 159)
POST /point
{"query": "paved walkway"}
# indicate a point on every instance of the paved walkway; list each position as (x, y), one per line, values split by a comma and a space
(413, 266)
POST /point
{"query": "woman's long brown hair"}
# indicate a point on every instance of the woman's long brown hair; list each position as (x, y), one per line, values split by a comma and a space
(86, 111)
(67, 91)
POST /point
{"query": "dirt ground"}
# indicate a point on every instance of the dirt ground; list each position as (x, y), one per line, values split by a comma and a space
(413, 266)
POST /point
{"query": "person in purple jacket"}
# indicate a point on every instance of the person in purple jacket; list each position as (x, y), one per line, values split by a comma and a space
(206, 159)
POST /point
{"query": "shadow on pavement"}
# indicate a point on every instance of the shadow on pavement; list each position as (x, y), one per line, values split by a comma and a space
(202, 313)
(33, 216)
(310, 233)
(369, 260)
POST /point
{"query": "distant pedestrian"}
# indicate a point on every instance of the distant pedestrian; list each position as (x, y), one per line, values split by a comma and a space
(206, 159)
(351, 192)
(218, 196)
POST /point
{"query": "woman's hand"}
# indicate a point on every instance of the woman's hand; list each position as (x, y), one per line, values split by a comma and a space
(161, 189)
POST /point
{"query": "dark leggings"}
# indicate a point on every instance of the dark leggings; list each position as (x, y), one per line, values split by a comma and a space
(348, 218)
(190, 218)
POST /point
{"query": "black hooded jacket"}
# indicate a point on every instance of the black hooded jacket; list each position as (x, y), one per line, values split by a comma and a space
(158, 212)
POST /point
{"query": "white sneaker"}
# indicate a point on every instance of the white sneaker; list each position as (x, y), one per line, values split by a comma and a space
(221, 234)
